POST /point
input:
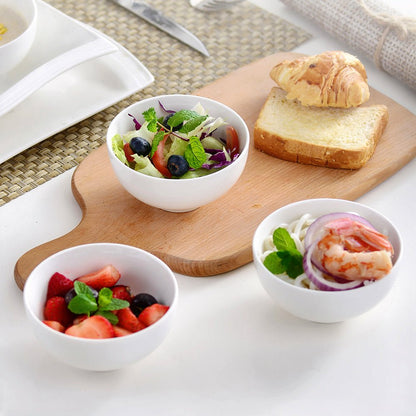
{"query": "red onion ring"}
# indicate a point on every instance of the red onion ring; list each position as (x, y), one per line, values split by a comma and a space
(316, 229)
(318, 279)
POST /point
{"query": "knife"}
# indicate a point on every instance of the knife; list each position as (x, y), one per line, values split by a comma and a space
(157, 19)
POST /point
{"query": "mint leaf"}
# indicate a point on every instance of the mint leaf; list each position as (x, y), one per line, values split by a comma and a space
(106, 302)
(273, 263)
(151, 118)
(287, 259)
(195, 153)
(282, 239)
(181, 116)
(108, 315)
(155, 143)
(192, 124)
(81, 288)
(115, 305)
(105, 296)
(82, 304)
(85, 303)
(291, 260)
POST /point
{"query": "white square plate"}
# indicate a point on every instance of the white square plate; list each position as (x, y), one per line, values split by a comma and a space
(72, 96)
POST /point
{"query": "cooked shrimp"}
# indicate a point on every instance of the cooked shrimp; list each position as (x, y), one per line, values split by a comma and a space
(354, 251)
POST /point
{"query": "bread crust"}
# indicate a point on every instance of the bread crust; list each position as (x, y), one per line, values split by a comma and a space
(300, 151)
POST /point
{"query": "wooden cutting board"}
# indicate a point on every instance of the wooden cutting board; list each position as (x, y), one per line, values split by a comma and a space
(217, 237)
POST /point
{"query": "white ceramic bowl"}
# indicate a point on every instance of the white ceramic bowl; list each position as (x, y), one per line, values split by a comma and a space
(321, 306)
(139, 269)
(178, 195)
(13, 52)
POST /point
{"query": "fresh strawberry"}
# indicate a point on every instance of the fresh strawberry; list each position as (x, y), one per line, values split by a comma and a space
(120, 332)
(95, 326)
(128, 320)
(106, 277)
(55, 325)
(57, 310)
(152, 313)
(122, 292)
(58, 285)
(79, 319)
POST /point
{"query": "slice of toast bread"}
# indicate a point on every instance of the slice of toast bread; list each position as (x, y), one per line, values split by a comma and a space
(331, 137)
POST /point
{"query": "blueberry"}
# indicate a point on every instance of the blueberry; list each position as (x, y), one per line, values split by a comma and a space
(140, 302)
(71, 294)
(140, 146)
(165, 123)
(177, 165)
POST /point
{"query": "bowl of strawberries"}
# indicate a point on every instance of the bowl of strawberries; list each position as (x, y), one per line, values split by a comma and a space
(101, 306)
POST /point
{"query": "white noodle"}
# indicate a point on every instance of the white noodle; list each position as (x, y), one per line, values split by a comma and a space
(268, 244)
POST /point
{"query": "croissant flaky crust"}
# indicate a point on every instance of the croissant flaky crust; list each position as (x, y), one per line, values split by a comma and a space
(330, 79)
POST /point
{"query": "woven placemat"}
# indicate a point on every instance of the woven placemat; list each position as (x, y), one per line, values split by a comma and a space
(234, 38)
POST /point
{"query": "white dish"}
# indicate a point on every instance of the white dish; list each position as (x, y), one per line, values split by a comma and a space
(20, 18)
(325, 306)
(179, 195)
(140, 270)
(72, 96)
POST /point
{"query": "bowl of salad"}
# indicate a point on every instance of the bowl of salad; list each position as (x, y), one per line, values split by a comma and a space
(178, 152)
(327, 260)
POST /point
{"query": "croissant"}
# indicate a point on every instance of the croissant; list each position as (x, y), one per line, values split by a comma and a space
(330, 79)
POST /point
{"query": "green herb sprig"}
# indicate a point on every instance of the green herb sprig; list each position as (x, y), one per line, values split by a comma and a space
(159, 136)
(287, 259)
(194, 152)
(84, 302)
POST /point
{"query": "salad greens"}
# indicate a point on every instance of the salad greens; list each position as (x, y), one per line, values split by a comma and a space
(191, 134)
(287, 259)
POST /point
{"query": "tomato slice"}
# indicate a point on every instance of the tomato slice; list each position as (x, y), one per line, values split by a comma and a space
(128, 152)
(158, 159)
(232, 143)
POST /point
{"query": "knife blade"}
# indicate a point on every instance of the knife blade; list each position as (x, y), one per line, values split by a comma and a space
(162, 22)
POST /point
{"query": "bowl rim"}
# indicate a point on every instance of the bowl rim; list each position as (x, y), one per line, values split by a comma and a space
(270, 276)
(73, 339)
(30, 25)
(242, 156)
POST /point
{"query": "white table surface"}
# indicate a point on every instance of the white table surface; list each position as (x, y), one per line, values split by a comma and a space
(232, 351)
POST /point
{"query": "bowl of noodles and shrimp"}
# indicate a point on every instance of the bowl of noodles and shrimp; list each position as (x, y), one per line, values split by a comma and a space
(327, 260)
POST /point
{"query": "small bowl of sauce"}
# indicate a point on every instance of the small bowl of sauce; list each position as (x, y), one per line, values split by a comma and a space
(18, 22)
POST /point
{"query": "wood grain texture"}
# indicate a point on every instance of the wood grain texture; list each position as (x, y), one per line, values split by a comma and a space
(217, 238)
